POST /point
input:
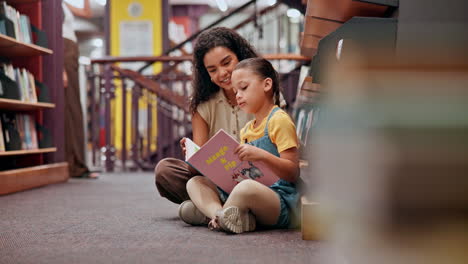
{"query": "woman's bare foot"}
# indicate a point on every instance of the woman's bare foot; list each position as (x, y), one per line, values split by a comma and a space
(93, 175)
(89, 175)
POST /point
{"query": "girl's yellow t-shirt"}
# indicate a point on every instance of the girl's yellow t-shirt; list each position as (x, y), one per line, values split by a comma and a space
(281, 130)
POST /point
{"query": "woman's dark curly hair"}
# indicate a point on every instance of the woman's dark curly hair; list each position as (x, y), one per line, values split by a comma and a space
(263, 68)
(203, 87)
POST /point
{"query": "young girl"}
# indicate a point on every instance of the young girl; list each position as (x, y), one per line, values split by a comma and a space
(271, 138)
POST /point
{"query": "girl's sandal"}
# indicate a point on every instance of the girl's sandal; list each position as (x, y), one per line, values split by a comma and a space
(231, 219)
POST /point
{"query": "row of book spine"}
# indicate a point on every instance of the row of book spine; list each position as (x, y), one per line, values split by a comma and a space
(18, 132)
(24, 79)
(306, 110)
(21, 24)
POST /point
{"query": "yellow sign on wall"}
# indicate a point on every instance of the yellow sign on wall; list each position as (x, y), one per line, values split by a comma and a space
(143, 15)
(135, 30)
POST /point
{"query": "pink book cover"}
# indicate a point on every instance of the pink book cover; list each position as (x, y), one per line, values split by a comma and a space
(217, 161)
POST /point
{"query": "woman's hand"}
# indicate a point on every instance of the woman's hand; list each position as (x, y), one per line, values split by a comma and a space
(249, 152)
(182, 146)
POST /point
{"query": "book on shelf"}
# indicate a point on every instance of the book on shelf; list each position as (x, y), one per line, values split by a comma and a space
(304, 72)
(8, 88)
(2, 26)
(25, 28)
(217, 161)
(10, 131)
(27, 130)
(19, 131)
(9, 29)
(10, 14)
(43, 91)
(306, 109)
(2, 141)
(44, 137)
(6, 18)
(17, 26)
(32, 87)
(39, 37)
(18, 79)
(306, 118)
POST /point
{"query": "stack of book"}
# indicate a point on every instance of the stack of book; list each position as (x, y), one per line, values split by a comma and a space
(17, 132)
(17, 83)
(14, 24)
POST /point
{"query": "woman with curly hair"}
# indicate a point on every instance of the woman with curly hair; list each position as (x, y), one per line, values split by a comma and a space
(213, 104)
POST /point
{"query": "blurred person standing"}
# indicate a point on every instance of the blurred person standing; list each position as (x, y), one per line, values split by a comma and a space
(74, 130)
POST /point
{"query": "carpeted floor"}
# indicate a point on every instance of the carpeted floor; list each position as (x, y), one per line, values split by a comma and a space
(120, 219)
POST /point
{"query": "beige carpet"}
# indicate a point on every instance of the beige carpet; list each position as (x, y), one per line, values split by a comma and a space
(120, 219)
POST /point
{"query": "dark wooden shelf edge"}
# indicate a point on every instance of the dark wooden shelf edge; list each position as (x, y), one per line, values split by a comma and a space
(16, 180)
(12, 104)
(33, 48)
(392, 3)
(26, 152)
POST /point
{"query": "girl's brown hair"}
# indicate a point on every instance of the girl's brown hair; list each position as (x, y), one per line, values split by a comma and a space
(263, 69)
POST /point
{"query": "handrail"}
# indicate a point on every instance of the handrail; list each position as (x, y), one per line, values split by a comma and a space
(178, 100)
(253, 17)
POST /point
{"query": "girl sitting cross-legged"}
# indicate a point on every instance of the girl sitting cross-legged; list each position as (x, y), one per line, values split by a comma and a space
(270, 138)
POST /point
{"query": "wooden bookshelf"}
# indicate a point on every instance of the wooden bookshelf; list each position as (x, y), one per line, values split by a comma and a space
(10, 47)
(26, 169)
(26, 152)
(17, 105)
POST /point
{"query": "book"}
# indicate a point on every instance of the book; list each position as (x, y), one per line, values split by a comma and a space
(2, 27)
(25, 26)
(10, 131)
(2, 142)
(32, 126)
(306, 109)
(20, 129)
(217, 161)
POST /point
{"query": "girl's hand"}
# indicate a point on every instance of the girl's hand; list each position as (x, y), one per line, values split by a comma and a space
(214, 225)
(182, 146)
(249, 152)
